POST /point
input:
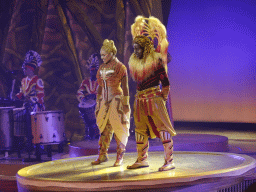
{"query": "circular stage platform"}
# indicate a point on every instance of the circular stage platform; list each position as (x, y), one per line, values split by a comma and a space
(182, 142)
(195, 171)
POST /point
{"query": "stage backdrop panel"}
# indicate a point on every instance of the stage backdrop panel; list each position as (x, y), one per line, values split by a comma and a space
(212, 72)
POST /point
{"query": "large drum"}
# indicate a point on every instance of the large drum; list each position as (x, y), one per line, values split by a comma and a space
(19, 122)
(47, 127)
(6, 127)
(87, 110)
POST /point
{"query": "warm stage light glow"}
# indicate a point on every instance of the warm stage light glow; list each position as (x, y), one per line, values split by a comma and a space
(213, 69)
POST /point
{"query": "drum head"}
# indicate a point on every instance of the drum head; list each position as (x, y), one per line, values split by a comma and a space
(88, 104)
(18, 109)
(45, 112)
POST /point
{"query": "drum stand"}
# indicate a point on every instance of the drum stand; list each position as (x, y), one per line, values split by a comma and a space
(86, 134)
(6, 155)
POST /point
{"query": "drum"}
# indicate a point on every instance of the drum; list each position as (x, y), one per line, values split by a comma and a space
(47, 127)
(19, 122)
(6, 127)
(87, 104)
(87, 110)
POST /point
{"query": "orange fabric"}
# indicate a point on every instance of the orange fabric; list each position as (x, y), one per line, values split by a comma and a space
(114, 79)
(150, 113)
(145, 99)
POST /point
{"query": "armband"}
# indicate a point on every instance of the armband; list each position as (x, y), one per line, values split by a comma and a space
(126, 100)
(98, 96)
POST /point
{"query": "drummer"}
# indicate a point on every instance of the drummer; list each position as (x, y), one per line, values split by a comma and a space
(86, 95)
(32, 87)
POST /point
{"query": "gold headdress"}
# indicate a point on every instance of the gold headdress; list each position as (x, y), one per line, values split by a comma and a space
(153, 29)
(148, 33)
(109, 46)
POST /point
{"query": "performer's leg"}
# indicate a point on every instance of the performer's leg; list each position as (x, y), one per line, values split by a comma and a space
(120, 150)
(104, 142)
(141, 136)
(168, 151)
(142, 149)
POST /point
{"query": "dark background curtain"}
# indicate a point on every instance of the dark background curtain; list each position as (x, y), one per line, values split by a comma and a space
(65, 33)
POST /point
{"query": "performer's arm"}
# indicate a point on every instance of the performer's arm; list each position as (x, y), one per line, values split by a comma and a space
(126, 97)
(20, 95)
(99, 92)
(163, 77)
(81, 92)
(100, 84)
(125, 85)
(165, 92)
(40, 93)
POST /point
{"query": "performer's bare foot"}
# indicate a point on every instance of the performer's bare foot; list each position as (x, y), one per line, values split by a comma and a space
(138, 164)
(100, 159)
(166, 167)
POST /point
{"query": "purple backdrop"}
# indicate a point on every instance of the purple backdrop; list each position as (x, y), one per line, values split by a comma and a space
(212, 72)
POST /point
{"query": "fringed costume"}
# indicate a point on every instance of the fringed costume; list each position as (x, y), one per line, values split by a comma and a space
(150, 72)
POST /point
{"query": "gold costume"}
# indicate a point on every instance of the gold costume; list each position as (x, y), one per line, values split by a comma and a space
(150, 102)
(148, 67)
(110, 116)
(110, 107)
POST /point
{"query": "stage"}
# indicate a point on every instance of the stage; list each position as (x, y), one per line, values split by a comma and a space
(195, 171)
(182, 142)
(200, 170)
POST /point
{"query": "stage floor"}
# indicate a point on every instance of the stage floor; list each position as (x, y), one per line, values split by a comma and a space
(182, 142)
(77, 174)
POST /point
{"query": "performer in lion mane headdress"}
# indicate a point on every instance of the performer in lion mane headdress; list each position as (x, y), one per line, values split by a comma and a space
(148, 67)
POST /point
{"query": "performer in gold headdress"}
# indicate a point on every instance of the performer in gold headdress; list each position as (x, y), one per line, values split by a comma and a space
(112, 110)
(32, 87)
(148, 67)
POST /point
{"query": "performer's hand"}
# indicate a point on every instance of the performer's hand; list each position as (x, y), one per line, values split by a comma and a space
(165, 99)
(126, 108)
(27, 104)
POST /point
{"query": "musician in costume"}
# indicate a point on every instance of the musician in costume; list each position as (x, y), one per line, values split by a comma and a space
(32, 87)
(32, 95)
(112, 110)
(148, 67)
(86, 96)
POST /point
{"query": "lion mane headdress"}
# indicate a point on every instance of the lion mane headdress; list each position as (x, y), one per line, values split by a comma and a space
(149, 33)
